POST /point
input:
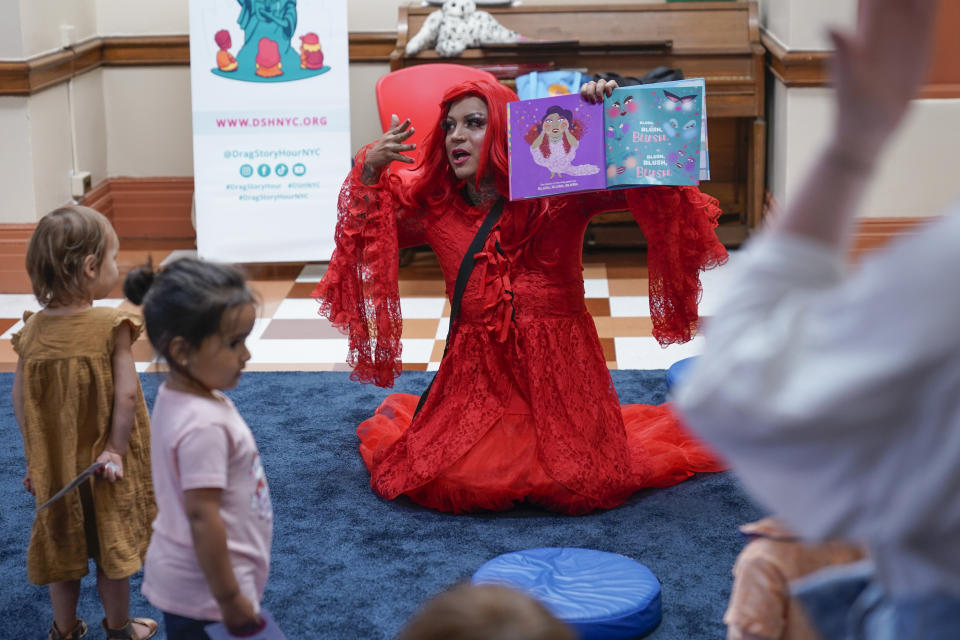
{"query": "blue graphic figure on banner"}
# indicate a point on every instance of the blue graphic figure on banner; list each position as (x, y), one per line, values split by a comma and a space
(267, 54)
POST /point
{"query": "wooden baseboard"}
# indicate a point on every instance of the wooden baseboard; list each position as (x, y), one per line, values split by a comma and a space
(870, 233)
(146, 213)
(151, 208)
(875, 233)
(13, 254)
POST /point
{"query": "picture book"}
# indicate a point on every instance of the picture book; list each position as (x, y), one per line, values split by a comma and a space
(555, 146)
(653, 134)
(640, 135)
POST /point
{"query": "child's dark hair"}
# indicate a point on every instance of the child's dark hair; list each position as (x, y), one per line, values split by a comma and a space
(484, 612)
(58, 249)
(186, 298)
(566, 114)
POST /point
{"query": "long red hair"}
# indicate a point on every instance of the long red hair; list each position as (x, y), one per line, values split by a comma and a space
(432, 183)
(435, 182)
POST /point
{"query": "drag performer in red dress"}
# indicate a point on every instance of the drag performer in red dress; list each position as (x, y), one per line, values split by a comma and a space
(522, 407)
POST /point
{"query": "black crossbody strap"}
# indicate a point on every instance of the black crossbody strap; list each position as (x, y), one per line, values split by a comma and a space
(463, 274)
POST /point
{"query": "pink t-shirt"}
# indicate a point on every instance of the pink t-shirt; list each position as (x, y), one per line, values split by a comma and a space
(202, 443)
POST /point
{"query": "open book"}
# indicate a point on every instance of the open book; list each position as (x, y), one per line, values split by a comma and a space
(640, 135)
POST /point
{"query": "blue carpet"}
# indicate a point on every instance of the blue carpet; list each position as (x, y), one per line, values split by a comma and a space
(347, 564)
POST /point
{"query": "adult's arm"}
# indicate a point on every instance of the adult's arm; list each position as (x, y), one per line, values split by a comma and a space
(812, 378)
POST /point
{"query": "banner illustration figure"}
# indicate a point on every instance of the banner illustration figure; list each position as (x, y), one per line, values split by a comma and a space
(270, 51)
(271, 126)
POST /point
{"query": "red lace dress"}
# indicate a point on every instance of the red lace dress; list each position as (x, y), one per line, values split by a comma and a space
(523, 406)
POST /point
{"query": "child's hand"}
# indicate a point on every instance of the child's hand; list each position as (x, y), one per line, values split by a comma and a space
(27, 484)
(113, 469)
(238, 615)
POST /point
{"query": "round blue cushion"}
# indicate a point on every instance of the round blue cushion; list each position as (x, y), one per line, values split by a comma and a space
(601, 595)
(678, 371)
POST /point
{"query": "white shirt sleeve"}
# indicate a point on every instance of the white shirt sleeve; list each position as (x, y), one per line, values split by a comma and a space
(809, 379)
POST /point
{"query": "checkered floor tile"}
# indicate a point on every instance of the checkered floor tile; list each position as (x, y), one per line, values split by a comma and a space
(290, 336)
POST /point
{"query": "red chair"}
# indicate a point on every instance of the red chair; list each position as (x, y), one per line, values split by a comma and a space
(415, 92)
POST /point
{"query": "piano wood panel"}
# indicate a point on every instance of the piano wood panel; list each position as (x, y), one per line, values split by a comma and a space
(718, 41)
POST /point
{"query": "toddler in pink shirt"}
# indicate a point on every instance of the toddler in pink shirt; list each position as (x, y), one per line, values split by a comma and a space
(209, 556)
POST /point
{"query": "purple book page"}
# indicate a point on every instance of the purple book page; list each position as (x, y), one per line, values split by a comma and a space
(556, 146)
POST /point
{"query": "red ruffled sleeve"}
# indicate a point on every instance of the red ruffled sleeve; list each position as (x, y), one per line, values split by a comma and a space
(359, 292)
(679, 224)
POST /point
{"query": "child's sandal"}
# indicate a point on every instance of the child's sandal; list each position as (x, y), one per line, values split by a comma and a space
(79, 630)
(126, 632)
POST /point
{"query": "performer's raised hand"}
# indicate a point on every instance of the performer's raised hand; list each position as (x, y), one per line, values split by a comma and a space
(596, 90)
(388, 148)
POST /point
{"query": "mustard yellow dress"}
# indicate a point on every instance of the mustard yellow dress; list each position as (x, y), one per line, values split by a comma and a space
(67, 379)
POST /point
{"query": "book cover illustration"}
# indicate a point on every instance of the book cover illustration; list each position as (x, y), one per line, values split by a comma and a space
(704, 149)
(555, 146)
(653, 133)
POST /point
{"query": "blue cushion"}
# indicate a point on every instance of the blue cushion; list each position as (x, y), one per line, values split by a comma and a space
(678, 371)
(601, 595)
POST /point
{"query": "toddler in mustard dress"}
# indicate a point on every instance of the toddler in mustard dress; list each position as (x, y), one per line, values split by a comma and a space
(77, 399)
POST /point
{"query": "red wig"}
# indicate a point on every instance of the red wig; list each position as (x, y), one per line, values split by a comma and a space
(436, 183)
(432, 183)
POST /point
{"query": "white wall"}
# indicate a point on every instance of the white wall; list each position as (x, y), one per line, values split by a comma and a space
(11, 40)
(802, 24)
(916, 178)
(918, 173)
(41, 21)
(89, 112)
(364, 116)
(52, 148)
(18, 204)
(149, 121)
(142, 17)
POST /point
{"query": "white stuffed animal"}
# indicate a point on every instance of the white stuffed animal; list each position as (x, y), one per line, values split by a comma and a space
(456, 26)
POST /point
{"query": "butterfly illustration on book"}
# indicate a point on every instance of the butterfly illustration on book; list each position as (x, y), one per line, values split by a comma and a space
(673, 102)
(689, 131)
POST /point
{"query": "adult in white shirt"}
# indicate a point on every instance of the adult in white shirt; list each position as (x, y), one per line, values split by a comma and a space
(835, 394)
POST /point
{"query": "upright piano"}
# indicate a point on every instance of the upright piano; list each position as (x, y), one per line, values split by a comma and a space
(718, 41)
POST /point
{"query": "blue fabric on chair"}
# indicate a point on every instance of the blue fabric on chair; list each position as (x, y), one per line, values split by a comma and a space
(678, 371)
(543, 84)
(601, 595)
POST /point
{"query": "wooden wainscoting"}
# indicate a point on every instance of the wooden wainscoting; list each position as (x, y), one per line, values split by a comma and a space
(147, 213)
(875, 233)
(13, 253)
(152, 209)
(24, 78)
